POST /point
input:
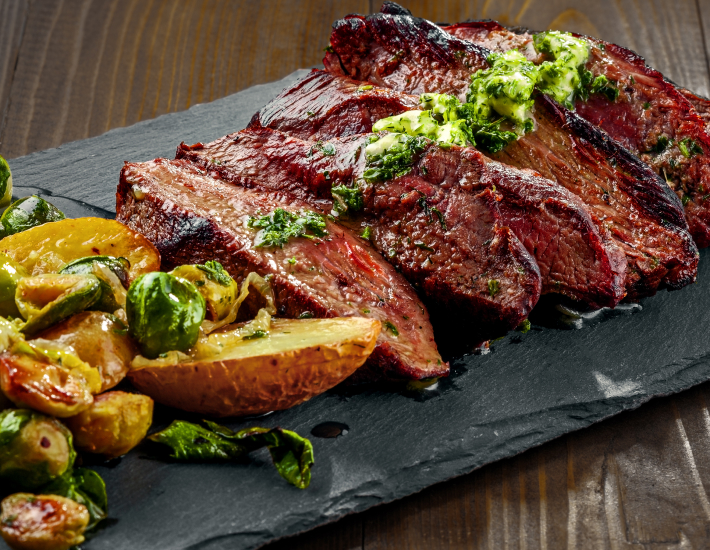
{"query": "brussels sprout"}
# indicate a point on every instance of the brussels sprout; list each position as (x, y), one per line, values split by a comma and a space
(47, 377)
(5, 183)
(27, 213)
(10, 273)
(98, 338)
(115, 423)
(42, 522)
(216, 286)
(164, 313)
(34, 449)
(44, 300)
(85, 266)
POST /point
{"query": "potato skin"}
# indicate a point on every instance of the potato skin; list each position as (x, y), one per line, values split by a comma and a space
(115, 423)
(42, 522)
(255, 385)
(100, 341)
(39, 250)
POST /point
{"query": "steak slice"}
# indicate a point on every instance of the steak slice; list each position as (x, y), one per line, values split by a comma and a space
(701, 104)
(470, 269)
(648, 108)
(624, 195)
(192, 218)
(553, 224)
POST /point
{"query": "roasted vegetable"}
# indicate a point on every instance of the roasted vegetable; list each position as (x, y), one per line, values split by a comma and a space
(164, 313)
(231, 375)
(49, 247)
(44, 300)
(100, 339)
(113, 274)
(34, 449)
(216, 286)
(47, 377)
(292, 454)
(85, 487)
(85, 266)
(10, 273)
(115, 423)
(42, 522)
(29, 212)
(5, 183)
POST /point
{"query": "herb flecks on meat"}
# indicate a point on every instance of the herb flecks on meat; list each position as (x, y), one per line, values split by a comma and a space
(277, 228)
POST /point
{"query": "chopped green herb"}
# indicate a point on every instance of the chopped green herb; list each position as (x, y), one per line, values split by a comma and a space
(389, 326)
(292, 261)
(524, 326)
(602, 85)
(328, 149)
(661, 145)
(631, 79)
(215, 272)
(306, 315)
(493, 287)
(646, 106)
(689, 147)
(366, 311)
(367, 232)
(310, 113)
(392, 156)
(256, 334)
(439, 215)
(347, 199)
(685, 200)
(326, 175)
(562, 78)
(423, 246)
(329, 49)
(365, 88)
(277, 228)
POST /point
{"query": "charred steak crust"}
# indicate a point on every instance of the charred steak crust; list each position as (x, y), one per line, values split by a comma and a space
(658, 252)
(192, 218)
(467, 265)
(553, 224)
(648, 107)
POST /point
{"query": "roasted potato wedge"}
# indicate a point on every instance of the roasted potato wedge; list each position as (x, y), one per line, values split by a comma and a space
(299, 359)
(49, 247)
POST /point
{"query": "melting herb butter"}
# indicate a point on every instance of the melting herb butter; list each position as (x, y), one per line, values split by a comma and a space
(277, 228)
(391, 156)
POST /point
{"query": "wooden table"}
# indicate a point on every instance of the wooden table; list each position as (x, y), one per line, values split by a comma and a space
(70, 69)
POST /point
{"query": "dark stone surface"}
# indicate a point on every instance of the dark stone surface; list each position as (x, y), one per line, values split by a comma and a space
(531, 388)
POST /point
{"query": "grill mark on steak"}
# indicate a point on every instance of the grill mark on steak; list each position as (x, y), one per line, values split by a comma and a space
(450, 263)
(648, 106)
(192, 218)
(553, 224)
(624, 195)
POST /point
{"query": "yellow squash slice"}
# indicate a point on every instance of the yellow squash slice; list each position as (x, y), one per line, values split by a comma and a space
(299, 359)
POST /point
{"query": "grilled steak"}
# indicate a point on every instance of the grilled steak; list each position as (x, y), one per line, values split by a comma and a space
(648, 112)
(192, 218)
(700, 104)
(471, 270)
(552, 223)
(624, 195)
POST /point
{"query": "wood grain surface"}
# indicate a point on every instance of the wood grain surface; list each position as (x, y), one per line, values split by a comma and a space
(71, 69)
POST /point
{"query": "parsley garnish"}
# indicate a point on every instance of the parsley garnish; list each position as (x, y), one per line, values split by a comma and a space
(396, 161)
(389, 326)
(278, 227)
(689, 147)
(215, 272)
(328, 149)
(347, 199)
(367, 232)
(493, 287)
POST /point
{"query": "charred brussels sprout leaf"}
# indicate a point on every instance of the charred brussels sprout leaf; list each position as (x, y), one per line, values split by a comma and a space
(27, 213)
(5, 183)
(216, 286)
(292, 454)
(34, 449)
(10, 273)
(44, 300)
(277, 228)
(85, 266)
(85, 487)
(164, 313)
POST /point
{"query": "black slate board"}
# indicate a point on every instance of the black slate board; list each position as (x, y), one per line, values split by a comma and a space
(531, 388)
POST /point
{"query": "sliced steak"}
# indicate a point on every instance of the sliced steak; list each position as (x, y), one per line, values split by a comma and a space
(648, 108)
(469, 268)
(553, 224)
(192, 218)
(624, 195)
(701, 104)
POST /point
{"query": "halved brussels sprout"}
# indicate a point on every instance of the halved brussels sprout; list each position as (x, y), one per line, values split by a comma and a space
(164, 313)
(42, 522)
(34, 449)
(10, 273)
(85, 266)
(44, 300)
(100, 339)
(47, 377)
(115, 423)
(49, 247)
(29, 212)
(216, 286)
(5, 183)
